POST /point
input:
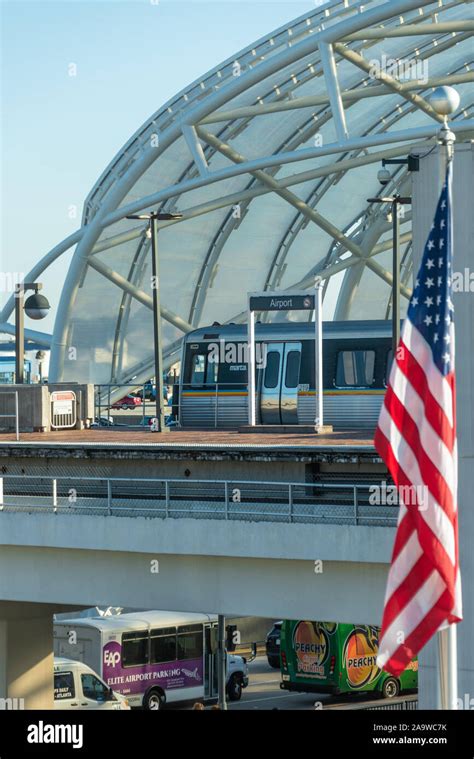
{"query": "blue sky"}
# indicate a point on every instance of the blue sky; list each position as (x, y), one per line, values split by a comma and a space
(59, 131)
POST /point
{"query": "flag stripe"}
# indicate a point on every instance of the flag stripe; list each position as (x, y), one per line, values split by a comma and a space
(435, 450)
(420, 635)
(408, 474)
(439, 388)
(397, 632)
(434, 413)
(430, 481)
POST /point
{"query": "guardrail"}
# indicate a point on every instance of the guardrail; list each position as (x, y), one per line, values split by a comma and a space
(404, 703)
(16, 415)
(292, 502)
(114, 408)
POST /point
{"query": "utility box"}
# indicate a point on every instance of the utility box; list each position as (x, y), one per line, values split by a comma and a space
(42, 408)
(33, 407)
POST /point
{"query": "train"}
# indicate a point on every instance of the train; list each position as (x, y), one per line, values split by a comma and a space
(212, 387)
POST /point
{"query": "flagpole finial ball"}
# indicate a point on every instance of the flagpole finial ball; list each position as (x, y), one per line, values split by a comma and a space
(444, 100)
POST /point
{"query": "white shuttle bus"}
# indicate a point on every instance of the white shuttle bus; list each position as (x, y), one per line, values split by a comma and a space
(152, 657)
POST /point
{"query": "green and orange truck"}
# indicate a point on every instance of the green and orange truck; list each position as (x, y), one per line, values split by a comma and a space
(335, 658)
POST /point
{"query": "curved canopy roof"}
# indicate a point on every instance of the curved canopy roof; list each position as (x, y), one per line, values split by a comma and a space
(270, 159)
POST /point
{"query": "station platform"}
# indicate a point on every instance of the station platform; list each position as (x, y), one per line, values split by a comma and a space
(195, 438)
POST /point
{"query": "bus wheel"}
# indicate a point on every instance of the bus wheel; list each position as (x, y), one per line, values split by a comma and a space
(390, 688)
(234, 688)
(153, 700)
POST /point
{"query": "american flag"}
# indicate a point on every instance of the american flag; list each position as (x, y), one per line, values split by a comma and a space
(416, 437)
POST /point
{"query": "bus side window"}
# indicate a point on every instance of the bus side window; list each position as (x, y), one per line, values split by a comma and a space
(162, 645)
(134, 648)
(189, 642)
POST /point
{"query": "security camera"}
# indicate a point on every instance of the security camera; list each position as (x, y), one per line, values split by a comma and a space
(384, 176)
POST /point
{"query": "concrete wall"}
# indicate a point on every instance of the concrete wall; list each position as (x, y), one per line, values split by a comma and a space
(33, 405)
(108, 466)
(425, 195)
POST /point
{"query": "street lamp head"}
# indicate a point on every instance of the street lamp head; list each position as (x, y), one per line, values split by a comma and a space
(37, 306)
(444, 100)
(384, 176)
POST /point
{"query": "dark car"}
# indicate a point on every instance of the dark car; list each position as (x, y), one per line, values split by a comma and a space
(272, 645)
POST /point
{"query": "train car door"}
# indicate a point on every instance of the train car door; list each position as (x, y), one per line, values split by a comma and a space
(279, 388)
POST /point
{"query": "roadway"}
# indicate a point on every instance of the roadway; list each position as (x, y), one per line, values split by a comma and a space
(263, 692)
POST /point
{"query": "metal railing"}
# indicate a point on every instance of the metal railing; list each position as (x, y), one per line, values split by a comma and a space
(291, 502)
(16, 415)
(109, 412)
(404, 703)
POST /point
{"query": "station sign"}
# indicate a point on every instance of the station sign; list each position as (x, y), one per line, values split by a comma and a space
(63, 402)
(282, 302)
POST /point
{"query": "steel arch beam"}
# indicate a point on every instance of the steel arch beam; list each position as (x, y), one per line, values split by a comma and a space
(349, 25)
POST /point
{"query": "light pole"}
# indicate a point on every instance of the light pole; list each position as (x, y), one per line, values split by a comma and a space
(36, 307)
(40, 356)
(395, 201)
(152, 218)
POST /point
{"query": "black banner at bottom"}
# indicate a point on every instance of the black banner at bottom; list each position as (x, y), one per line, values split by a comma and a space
(376, 733)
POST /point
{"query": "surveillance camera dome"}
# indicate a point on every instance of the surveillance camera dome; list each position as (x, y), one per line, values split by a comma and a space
(444, 100)
(384, 176)
(37, 306)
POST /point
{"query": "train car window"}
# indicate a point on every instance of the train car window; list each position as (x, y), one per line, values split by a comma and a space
(198, 366)
(272, 370)
(388, 366)
(203, 371)
(307, 364)
(292, 369)
(355, 368)
(211, 372)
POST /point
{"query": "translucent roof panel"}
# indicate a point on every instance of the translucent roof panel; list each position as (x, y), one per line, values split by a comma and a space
(270, 159)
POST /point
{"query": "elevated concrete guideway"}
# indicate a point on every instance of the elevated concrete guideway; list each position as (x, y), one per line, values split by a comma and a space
(261, 566)
(334, 572)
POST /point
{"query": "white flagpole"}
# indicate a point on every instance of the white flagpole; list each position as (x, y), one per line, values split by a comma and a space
(447, 637)
(453, 667)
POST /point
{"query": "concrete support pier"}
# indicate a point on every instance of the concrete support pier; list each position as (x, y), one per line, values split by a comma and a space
(26, 655)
